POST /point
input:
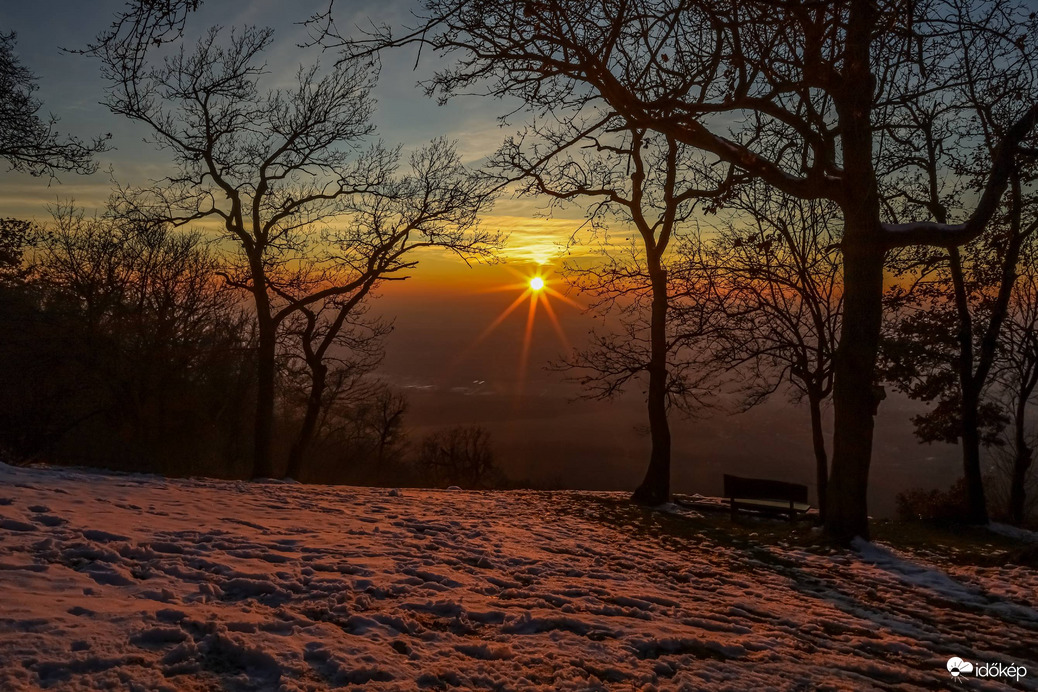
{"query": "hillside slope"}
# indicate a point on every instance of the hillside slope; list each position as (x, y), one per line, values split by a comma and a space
(139, 582)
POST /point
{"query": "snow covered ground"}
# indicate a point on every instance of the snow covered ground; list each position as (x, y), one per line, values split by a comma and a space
(144, 583)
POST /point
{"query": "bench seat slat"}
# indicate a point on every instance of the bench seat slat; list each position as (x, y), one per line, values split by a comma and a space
(765, 495)
(771, 504)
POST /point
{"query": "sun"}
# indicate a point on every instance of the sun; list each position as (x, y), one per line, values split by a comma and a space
(535, 289)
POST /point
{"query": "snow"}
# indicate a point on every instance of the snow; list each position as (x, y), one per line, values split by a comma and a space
(1014, 532)
(139, 582)
(940, 583)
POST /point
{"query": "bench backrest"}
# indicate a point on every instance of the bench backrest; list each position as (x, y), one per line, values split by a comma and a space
(761, 489)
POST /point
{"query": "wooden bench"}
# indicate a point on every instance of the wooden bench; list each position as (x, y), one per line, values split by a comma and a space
(770, 497)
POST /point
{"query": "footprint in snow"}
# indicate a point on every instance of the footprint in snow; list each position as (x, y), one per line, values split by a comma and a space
(15, 525)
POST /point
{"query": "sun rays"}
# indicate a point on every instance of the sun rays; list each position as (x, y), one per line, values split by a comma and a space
(536, 289)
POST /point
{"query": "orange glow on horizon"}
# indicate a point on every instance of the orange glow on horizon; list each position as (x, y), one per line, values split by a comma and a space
(536, 288)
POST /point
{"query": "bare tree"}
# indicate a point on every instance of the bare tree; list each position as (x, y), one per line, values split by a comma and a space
(384, 421)
(945, 338)
(360, 435)
(797, 94)
(931, 164)
(457, 456)
(1017, 373)
(286, 174)
(331, 349)
(639, 180)
(28, 141)
(619, 288)
(136, 30)
(434, 205)
(774, 273)
(333, 396)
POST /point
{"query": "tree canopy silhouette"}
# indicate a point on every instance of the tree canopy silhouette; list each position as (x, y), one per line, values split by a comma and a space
(316, 212)
(802, 95)
(29, 141)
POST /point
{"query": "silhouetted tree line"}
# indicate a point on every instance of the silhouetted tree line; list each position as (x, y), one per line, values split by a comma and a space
(137, 344)
(121, 348)
(125, 348)
(460, 456)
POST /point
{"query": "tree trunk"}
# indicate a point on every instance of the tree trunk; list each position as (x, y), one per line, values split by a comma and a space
(1018, 491)
(976, 510)
(263, 462)
(855, 400)
(380, 455)
(1021, 462)
(296, 456)
(821, 458)
(969, 396)
(655, 488)
(266, 360)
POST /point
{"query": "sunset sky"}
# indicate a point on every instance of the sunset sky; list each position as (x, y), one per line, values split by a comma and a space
(71, 87)
(435, 353)
(443, 286)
